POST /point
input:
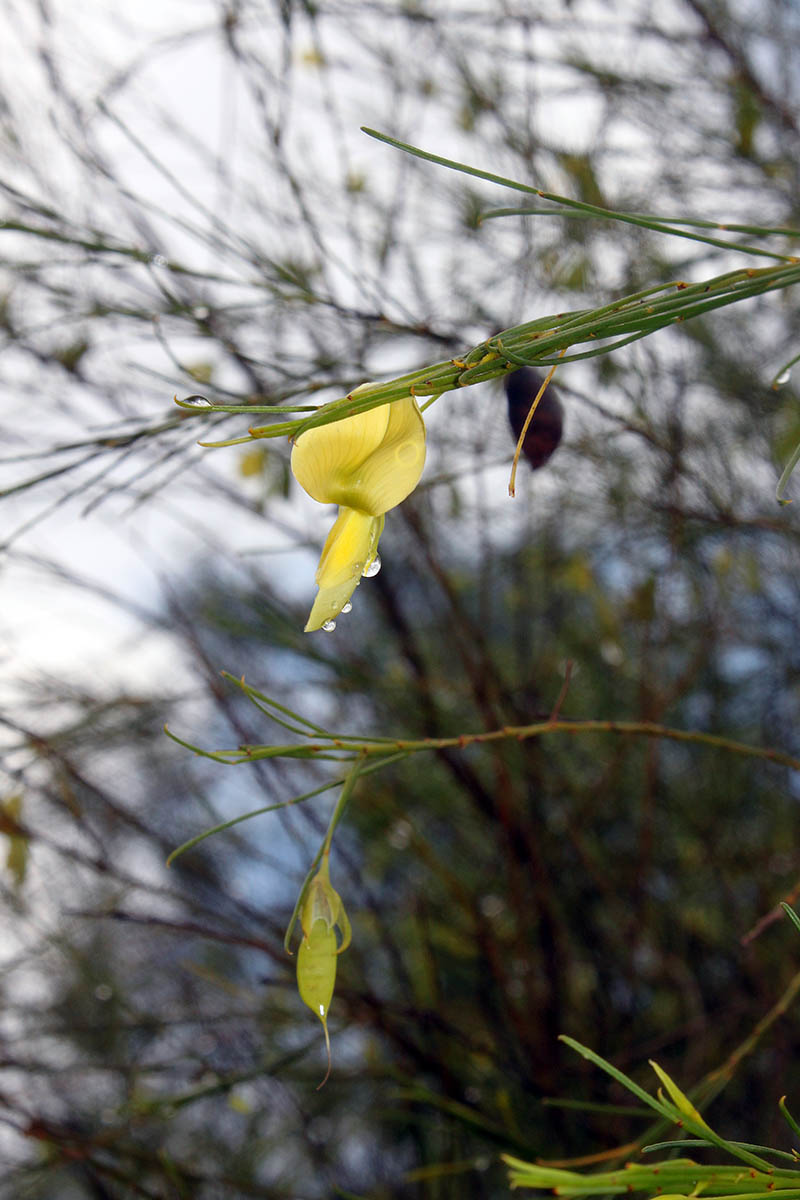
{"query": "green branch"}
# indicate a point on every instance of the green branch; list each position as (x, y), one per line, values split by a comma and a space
(667, 225)
(540, 342)
(347, 747)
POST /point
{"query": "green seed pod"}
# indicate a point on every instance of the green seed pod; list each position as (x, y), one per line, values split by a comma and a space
(321, 911)
(316, 975)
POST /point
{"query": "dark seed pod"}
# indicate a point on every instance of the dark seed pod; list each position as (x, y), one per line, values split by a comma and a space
(544, 431)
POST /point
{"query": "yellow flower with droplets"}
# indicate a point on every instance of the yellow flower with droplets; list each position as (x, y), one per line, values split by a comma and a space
(367, 464)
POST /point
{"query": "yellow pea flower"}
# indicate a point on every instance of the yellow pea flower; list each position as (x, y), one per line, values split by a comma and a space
(367, 464)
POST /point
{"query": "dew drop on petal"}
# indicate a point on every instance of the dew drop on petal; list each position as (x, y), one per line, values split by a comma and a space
(783, 378)
(329, 626)
(346, 608)
(372, 568)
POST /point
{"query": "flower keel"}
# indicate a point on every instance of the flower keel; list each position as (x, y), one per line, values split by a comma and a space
(367, 464)
(349, 549)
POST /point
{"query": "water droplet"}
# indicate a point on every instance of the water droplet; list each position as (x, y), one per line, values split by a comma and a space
(611, 652)
(783, 378)
(201, 312)
(158, 260)
(103, 991)
(400, 834)
(346, 608)
(372, 568)
(329, 626)
(491, 906)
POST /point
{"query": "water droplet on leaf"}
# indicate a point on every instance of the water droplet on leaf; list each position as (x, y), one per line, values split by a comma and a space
(783, 378)
(346, 608)
(372, 568)
(329, 626)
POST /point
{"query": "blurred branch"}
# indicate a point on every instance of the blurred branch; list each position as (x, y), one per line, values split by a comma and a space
(340, 747)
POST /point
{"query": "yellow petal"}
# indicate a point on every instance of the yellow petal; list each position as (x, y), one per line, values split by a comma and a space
(370, 461)
(325, 459)
(392, 471)
(349, 548)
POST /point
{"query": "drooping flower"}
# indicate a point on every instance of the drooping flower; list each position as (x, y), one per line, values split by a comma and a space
(367, 464)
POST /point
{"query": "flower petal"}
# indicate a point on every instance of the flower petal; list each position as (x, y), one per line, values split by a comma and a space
(324, 459)
(392, 471)
(370, 461)
(349, 548)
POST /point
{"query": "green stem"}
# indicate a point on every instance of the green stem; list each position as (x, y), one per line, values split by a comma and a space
(520, 733)
(589, 210)
(325, 848)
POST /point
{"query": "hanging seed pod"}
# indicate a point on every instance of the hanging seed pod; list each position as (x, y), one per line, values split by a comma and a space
(547, 425)
(316, 975)
(321, 912)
